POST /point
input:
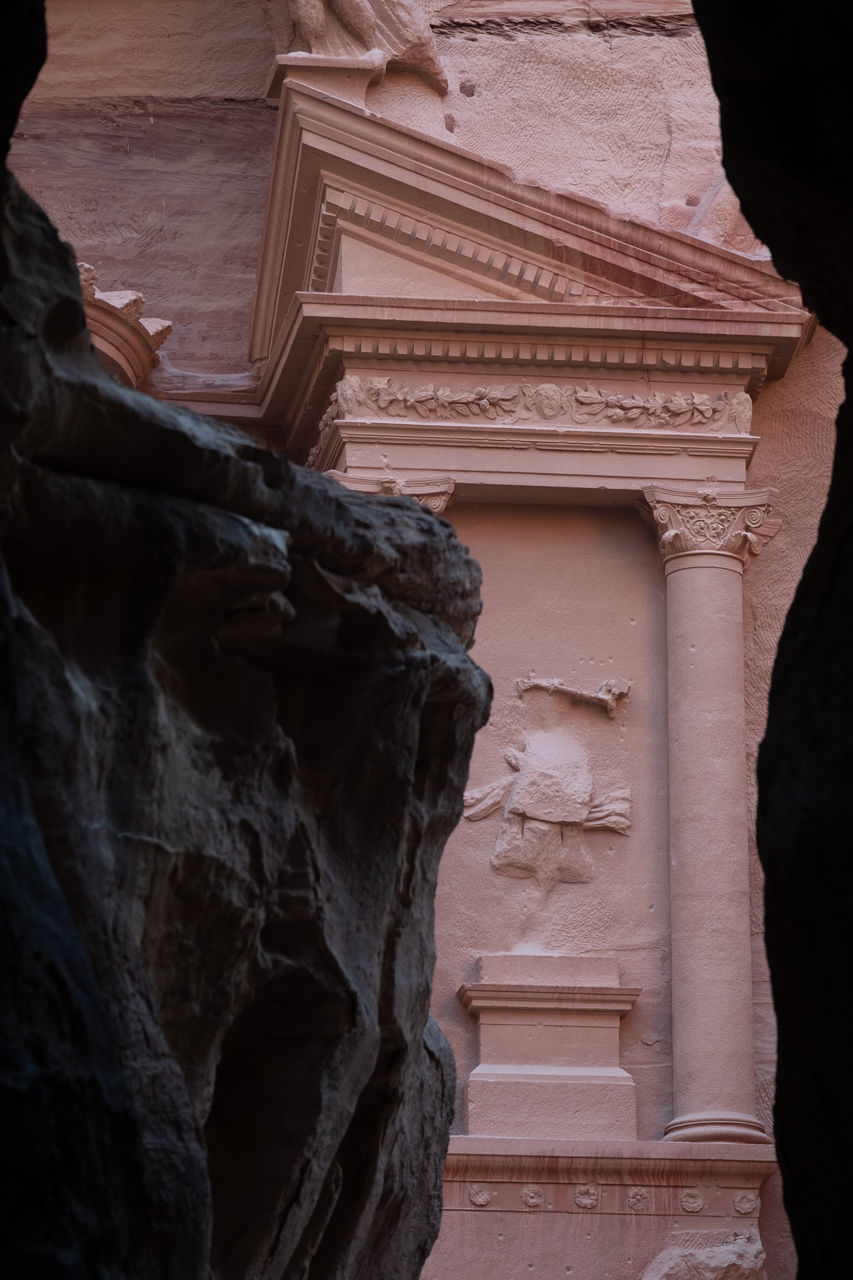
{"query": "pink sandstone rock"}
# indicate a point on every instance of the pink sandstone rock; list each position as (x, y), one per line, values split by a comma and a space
(525, 304)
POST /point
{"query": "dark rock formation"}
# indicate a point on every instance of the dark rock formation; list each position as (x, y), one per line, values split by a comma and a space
(782, 74)
(235, 723)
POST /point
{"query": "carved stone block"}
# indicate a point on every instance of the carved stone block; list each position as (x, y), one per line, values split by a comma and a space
(549, 1048)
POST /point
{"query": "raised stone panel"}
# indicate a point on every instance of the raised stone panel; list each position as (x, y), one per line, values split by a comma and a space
(539, 563)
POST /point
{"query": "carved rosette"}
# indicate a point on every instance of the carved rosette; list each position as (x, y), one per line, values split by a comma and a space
(702, 520)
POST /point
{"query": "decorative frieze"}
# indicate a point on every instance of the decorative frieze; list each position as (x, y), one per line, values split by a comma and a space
(532, 1197)
(586, 1196)
(727, 414)
(737, 524)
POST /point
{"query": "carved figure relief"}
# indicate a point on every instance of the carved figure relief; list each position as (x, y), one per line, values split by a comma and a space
(341, 28)
(549, 799)
(583, 406)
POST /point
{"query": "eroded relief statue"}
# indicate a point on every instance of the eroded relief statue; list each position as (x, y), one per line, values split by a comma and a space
(397, 29)
(550, 799)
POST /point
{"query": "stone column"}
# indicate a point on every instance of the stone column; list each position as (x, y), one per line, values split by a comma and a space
(706, 541)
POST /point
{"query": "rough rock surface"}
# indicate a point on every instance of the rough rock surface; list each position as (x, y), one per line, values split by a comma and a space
(785, 95)
(706, 1255)
(237, 712)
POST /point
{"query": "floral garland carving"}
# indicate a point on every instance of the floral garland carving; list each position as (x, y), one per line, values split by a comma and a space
(730, 412)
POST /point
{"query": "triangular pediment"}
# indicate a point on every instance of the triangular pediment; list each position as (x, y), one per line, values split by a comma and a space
(364, 265)
(368, 247)
(363, 207)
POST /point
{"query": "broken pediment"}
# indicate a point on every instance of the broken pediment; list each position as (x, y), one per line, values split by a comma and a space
(367, 247)
(126, 341)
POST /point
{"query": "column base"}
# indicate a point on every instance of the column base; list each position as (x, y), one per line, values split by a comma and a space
(708, 1126)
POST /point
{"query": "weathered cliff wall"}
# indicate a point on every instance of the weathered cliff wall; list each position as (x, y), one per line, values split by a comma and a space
(236, 718)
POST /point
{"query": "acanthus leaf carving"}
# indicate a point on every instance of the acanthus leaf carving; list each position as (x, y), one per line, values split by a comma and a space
(738, 524)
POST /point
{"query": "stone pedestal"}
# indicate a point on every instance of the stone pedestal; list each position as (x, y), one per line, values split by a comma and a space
(549, 1049)
(630, 1210)
(706, 540)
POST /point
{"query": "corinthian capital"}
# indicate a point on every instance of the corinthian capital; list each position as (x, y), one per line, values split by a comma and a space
(739, 524)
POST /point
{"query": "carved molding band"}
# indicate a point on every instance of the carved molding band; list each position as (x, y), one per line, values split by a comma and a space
(738, 524)
(728, 414)
(540, 350)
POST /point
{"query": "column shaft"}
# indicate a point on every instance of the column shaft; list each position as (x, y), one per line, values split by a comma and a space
(706, 540)
(713, 1084)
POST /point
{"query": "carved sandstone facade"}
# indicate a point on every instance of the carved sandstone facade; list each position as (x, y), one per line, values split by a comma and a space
(599, 380)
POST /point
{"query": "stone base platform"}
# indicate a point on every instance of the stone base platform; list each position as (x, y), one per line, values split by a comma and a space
(600, 1210)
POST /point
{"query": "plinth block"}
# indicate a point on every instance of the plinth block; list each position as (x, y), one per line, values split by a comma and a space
(549, 1048)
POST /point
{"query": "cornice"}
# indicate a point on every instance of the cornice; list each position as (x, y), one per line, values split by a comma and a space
(429, 168)
(604, 15)
(477, 996)
(325, 333)
(664, 1163)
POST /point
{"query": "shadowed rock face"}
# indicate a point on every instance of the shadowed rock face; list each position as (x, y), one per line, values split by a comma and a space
(236, 719)
(782, 74)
